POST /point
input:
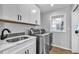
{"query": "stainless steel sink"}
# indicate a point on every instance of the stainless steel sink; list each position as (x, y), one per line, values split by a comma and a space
(16, 39)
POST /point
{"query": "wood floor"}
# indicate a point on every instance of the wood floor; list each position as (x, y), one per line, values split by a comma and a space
(56, 50)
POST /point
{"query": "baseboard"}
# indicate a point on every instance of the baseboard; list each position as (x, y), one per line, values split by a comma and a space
(75, 52)
(61, 47)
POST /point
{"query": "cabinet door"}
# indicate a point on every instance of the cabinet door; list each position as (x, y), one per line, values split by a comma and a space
(24, 12)
(35, 14)
(10, 12)
(21, 52)
(0, 10)
(31, 49)
(30, 13)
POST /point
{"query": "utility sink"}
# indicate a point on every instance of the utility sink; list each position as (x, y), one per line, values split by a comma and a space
(16, 39)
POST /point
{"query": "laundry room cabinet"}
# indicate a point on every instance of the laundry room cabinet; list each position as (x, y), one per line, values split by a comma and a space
(30, 49)
(27, 47)
(10, 12)
(0, 11)
(27, 13)
(34, 14)
(24, 12)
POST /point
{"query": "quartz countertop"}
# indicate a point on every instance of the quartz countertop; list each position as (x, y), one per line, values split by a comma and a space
(5, 45)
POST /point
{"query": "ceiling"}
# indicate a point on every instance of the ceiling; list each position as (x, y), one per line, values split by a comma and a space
(46, 7)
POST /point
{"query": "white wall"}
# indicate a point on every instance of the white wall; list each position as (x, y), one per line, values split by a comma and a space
(62, 39)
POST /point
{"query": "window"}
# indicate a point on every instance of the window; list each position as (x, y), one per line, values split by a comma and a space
(57, 23)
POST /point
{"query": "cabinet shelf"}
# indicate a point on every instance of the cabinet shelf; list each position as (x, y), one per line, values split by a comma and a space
(18, 22)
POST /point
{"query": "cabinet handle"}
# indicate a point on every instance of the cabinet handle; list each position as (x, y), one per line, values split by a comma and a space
(36, 22)
(27, 51)
(20, 17)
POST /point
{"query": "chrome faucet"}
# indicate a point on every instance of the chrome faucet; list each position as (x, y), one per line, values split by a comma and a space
(2, 34)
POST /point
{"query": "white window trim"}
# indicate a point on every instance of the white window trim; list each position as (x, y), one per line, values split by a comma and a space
(64, 14)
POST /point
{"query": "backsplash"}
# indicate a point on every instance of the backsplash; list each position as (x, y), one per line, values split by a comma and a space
(14, 34)
(16, 29)
(1, 26)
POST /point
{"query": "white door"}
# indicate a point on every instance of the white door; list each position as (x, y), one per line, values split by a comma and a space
(10, 12)
(75, 37)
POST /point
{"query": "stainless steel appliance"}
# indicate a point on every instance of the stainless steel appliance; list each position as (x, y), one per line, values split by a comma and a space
(43, 40)
(36, 31)
(47, 42)
(39, 40)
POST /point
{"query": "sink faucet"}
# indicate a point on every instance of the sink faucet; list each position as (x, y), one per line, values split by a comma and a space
(2, 34)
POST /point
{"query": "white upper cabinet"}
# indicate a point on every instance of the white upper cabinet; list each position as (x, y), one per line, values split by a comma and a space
(24, 13)
(0, 11)
(10, 12)
(35, 14)
(27, 13)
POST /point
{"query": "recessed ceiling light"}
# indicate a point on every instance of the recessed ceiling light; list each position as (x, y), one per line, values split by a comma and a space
(33, 11)
(51, 5)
